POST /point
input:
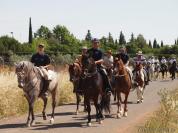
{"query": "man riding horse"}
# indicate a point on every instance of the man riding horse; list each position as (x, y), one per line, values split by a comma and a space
(97, 55)
(125, 59)
(140, 59)
(42, 61)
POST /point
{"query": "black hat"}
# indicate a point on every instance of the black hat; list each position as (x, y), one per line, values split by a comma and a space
(95, 40)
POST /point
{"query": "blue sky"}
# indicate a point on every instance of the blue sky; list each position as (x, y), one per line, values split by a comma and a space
(152, 18)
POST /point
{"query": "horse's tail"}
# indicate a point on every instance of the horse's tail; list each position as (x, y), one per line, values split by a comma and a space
(105, 103)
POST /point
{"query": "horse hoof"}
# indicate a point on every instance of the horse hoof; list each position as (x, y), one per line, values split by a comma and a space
(89, 124)
(125, 114)
(32, 123)
(100, 122)
(118, 116)
(45, 118)
(141, 101)
(52, 121)
(28, 125)
(77, 112)
(138, 101)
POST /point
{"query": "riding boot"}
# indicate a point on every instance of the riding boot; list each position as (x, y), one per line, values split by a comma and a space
(107, 85)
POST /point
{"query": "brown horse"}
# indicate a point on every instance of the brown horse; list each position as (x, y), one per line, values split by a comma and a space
(93, 90)
(75, 73)
(122, 83)
(139, 79)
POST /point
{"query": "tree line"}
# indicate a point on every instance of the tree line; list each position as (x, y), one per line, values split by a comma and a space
(61, 40)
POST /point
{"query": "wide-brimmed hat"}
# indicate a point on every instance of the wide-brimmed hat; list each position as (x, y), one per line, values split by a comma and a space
(109, 51)
(139, 52)
(41, 45)
(84, 48)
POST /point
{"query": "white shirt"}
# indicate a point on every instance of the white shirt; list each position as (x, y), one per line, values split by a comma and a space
(172, 60)
(163, 61)
(108, 61)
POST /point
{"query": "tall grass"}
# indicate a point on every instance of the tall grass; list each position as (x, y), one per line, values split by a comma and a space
(165, 120)
(13, 102)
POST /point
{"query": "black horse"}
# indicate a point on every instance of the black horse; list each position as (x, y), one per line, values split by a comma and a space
(173, 70)
(93, 90)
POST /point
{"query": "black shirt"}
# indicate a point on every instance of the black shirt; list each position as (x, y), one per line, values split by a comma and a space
(124, 57)
(96, 54)
(40, 60)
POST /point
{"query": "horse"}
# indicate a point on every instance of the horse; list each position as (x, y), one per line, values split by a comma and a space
(122, 83)
(75, 73)
(173, 69)
(139, 79)
(31, 81)
(156, 70)
(93, 90)
(151, 69)
(164, 70)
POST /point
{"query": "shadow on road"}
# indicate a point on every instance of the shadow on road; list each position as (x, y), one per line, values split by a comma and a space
(57, 114)
(6, 126)
(59, 125)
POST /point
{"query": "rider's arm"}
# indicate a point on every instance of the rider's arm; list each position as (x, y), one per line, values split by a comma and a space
(98, 62)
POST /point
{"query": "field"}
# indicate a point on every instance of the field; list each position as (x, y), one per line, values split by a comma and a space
(13, 102)
(165, 119)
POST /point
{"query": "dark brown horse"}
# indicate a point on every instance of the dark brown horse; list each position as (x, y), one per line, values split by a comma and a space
(93, 90)
(139, 79)
(75, 73)
(122, 84)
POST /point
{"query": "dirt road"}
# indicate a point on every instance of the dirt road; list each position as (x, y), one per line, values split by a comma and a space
(67, 122)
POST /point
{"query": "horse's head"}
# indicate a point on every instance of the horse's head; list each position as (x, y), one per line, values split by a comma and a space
(74, 71)
(118, 64)
(138, 67)
(22, 71)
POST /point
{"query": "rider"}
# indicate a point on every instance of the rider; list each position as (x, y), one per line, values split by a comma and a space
(163, 62)
(97, 55)
(42, 61)
(173, 59)
(122, 53)
(108, 60)
(141, 59)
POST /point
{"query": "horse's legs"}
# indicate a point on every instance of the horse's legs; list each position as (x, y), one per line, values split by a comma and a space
(87, 103)
(119, 102)
(32, 112)
(139, 94)
(125, 105)
(78, 101)
(53, 105)
(29, 113)
(45, 99)
(97, 109)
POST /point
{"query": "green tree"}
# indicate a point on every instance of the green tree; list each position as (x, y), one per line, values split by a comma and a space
(88, 36)
(61, 33)
(110, 39)
(43, 32)
(30, 38)
(155, 43)
(132, 38)
(122, 40)
(140, 41)
(162, 44)
(150, 45)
